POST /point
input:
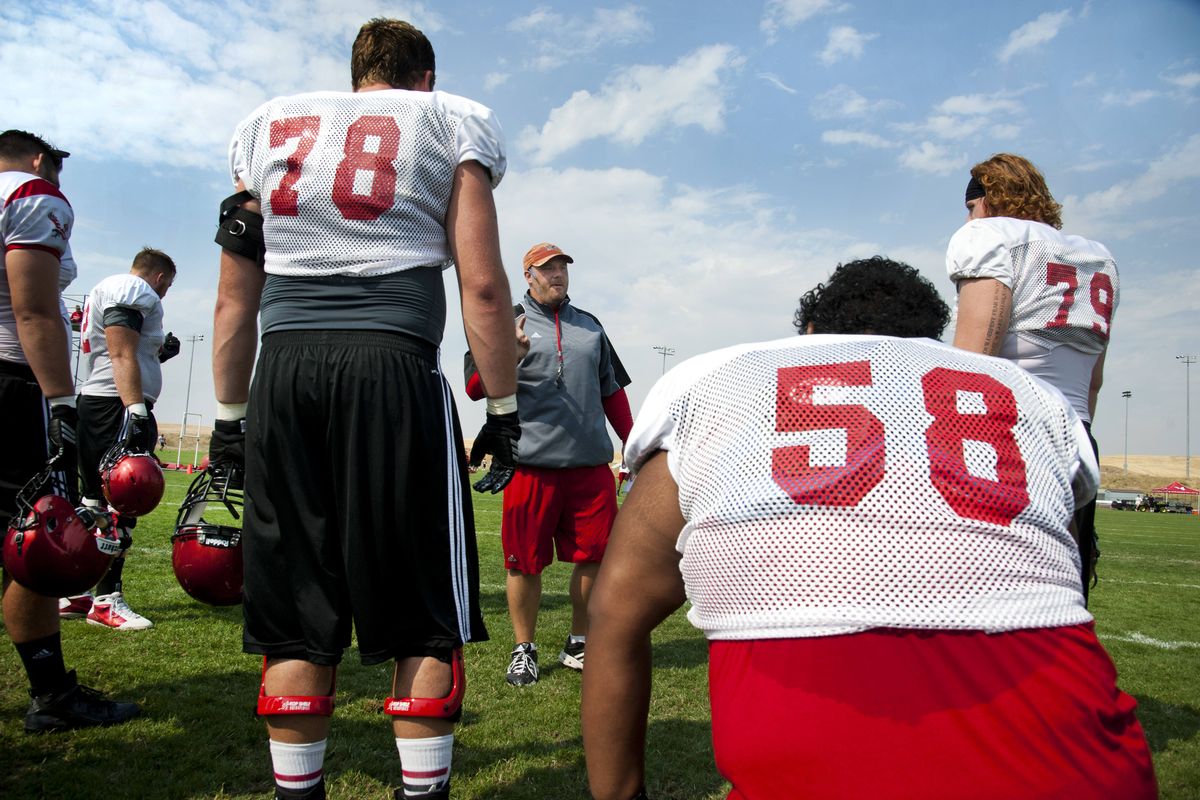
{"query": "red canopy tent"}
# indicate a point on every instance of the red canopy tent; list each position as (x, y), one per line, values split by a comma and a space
(1177, 488)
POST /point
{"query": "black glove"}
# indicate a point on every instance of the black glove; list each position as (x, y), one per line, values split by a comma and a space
(63, 463)
(135, 433)
(169, 349)
(498, 436)
(227, 448)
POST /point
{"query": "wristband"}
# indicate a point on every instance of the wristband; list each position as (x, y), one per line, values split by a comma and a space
(231, 412)
(502, 405)
(65, 400)
(137, 409)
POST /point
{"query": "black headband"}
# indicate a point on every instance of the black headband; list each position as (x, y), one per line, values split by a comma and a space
(974, 189)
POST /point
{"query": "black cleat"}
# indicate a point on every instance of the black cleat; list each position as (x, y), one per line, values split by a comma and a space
(77, 706)
(523, 669)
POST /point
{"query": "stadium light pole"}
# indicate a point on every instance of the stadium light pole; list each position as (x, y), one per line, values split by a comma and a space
(1127, 394)
(666, 351)
(187, 397)
(1187, 415)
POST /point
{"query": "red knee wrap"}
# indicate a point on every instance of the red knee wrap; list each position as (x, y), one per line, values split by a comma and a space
(294, 704)
(439, 708)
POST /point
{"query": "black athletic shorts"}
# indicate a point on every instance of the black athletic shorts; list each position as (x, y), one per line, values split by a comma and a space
(25, 413)
(100, 421)
(1085, 528)
(357, 507)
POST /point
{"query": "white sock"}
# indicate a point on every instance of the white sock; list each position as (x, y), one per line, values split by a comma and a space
(297, 766)
(425, 764)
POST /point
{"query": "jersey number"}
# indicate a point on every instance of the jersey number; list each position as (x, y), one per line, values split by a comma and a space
(997, 501)
(1100, 295)
(356, 159)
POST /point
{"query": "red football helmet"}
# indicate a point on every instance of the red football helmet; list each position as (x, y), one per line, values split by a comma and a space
(207, 556)
(57, 550)
(133, 482)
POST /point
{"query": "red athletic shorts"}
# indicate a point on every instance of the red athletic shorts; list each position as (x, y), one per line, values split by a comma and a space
(926, 714)
(571, 509)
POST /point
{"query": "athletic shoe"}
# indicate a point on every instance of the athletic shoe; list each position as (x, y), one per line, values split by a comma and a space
(443, 794)
(77, 706)
(74, 607)
(112, 611)
(571, 656)
(523, 669)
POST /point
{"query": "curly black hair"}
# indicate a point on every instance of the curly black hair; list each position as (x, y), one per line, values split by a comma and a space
(874, 295)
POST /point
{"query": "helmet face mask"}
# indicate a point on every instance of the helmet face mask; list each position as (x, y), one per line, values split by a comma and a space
(206, 548)
(56, 550)
(133, 483)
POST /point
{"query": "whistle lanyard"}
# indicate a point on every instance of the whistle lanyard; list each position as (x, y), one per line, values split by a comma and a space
(558, 376)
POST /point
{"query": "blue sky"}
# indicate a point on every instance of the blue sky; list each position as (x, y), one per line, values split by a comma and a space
(704, 162)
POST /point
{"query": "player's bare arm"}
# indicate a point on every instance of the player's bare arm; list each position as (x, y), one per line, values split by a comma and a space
(984, 311)
(1096, 382)
(123, 349)
(639, 585)
(235, 322)
(33, 282)
(474, 238)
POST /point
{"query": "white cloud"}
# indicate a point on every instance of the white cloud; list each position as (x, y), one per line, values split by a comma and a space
(1031, 34)
(933, 159)
(856, 137)
(968, 104)
(556, 38)
(1110, 212)
(844, 42)
(1129, 98)
(970, 116)
(638, 102)
(775, 81)
(841, 101)
(779, 14)
(1186, 81)
(494, 79)
(166, 85)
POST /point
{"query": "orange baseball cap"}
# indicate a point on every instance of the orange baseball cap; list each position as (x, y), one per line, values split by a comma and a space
(542, 252)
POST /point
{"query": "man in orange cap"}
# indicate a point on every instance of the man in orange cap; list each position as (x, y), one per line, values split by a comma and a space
(562, 496)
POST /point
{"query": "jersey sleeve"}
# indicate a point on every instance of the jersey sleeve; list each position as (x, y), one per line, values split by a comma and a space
(481, 139)
(978, 250)
(38, 217)
(656, 425)
(241, 149)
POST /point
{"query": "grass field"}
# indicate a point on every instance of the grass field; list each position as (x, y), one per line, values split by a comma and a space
(198, 737)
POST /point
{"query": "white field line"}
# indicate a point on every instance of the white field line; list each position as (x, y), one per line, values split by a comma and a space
(1153, 583)
(1140, 638)
(1152, 559)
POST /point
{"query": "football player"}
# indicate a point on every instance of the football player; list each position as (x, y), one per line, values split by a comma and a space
(1034, 295)
(37, 400)
(357, 508)
(123, 347)
(873, 530)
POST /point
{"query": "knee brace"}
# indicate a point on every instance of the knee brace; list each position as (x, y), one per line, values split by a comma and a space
(294, 704)
(447, 707)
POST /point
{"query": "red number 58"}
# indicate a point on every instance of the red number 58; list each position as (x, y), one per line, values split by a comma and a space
(997, 501)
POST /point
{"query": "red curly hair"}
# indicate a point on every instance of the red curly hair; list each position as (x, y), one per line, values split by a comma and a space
(1015, 188)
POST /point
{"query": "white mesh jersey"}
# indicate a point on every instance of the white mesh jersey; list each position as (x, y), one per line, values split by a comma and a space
(832, 484)
(121, 291)
(359, 183)
(36, 216)
(1065, 290)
